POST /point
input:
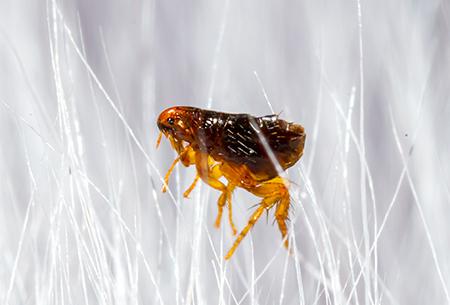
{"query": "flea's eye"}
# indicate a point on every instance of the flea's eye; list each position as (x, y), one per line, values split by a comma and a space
(170, 121)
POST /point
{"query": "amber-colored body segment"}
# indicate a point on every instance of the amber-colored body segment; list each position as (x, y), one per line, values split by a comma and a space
(240, 148)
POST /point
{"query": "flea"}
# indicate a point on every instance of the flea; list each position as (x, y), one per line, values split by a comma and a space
(247, 151)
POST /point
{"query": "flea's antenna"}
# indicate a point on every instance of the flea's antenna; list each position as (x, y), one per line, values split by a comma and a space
(158, 141)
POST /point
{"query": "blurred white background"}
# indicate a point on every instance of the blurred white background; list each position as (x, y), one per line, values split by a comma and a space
(82, 218)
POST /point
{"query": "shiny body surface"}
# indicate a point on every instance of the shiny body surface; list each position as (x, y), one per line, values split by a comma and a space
(245, 150)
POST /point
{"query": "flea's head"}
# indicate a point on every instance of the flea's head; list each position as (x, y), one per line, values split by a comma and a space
(175, 123)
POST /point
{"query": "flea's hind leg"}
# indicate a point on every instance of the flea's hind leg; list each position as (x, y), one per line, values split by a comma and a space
(281, 215)
(277, 187)
(266, 203)
(274, 192)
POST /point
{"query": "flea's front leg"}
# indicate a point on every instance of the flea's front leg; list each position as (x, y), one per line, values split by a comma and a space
(191, 187)
(186, 156)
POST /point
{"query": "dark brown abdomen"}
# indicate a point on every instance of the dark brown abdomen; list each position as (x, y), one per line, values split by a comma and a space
(237, 139)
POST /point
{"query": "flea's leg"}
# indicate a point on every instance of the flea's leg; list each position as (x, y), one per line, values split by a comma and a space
(169, 172)
(265, 204)
(210, 173)
(223, 199)
(230, 189)
(277, 187)
(189, 190)
(187, 157)
(274, 192)
(220, 204)
(281, 214)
